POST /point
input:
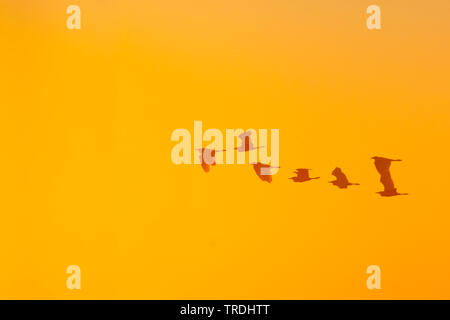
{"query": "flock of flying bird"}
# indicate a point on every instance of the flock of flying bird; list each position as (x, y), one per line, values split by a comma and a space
(382, 165)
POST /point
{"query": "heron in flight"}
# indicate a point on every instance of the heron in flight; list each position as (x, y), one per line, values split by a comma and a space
(341, 179)
(302, 175)
(246, 143)
(383, 167)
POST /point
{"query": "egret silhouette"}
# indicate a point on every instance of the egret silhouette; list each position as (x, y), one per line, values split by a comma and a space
(341, 179)
(383, 167)
(258, 167)
(246, 144)
(302, 175)
(208, 158)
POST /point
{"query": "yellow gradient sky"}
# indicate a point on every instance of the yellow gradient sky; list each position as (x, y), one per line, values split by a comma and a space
(86, 176)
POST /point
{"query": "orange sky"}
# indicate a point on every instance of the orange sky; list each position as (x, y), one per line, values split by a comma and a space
(86, 174)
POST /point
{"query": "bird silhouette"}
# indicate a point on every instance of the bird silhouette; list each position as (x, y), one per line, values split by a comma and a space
(383, 167)
(341, 179)
(302, 175)
(246, 143)
(258, 167)
(208, 158)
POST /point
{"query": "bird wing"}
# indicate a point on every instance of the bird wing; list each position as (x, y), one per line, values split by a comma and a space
(205, 166)
(382, 165)
(341, 177)
(387, 182)
(302, 173)
(243, 136)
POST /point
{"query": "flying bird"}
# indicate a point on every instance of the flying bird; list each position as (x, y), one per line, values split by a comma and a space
(246, 144)
(302, 175)
(383, 167)
(259, 167)
(341, 179)
(208, 158)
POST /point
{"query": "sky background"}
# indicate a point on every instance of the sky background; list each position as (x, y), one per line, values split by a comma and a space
(86, 176)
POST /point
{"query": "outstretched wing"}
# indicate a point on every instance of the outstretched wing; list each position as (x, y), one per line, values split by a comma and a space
(383, 164)
(341, 177)
(387, 182)
(302, 173)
